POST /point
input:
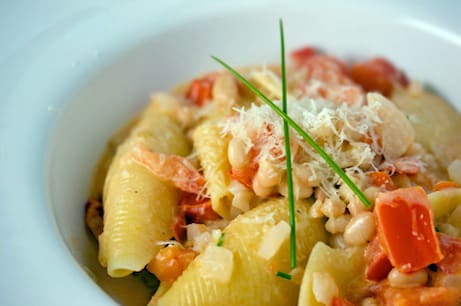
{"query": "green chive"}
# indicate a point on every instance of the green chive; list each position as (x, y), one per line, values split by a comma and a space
(220, 240)
(291, 201)
(283, 275)
(298, 129)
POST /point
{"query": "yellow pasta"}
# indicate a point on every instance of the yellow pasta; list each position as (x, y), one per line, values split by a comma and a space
(138, 207)
(253, 280)
(342, 269)
(211, 148)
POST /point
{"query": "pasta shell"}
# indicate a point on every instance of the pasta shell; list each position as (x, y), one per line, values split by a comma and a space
(139, 207)
(344, 266)
(253, 280)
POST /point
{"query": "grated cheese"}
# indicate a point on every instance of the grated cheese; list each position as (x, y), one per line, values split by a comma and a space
(347, 133)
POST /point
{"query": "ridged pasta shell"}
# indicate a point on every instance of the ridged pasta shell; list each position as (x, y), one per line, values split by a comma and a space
(139, 207)
(345, 266)
(253, 280)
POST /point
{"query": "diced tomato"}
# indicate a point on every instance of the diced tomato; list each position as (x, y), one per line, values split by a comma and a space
(381, 178)
(170, 262)
(378, 74)
(451, 250)
(419, 296)
(327, 69)
(406, 229)
(444, 185)
(191, 209)
(171, 168)
(201, 90)
(178, 227)
(196, 210)
(378, 264)
(244, 176)
(338, 301)
(299, 56)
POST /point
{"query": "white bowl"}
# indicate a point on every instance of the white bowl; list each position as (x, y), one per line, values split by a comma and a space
(68, 89)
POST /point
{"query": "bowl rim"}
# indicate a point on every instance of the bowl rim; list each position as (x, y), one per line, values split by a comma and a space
(22, 178)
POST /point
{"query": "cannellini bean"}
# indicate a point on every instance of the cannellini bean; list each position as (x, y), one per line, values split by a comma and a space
(324, 287)
(356, 207)
(315, 211)
(242, 196)
(360, 229)
(242, 200)
(369, 301)
(300, 191)
(304, 175)
(261, 191)
(371, 193)
(395, 130)
(337, 224)
(236, 153)
(268, 175)
(398, 279)
(333, 207)
(454, 171)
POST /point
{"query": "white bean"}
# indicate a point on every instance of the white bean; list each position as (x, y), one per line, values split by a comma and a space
(304, 175)
(268, 175)
(315, 211)
(236, 153)
(261, 191)
(337, 224)
(360, 229)
(371, 193)
(398, 279)
(454, 171)
(333, 207)
(300, 191)
(369, 301)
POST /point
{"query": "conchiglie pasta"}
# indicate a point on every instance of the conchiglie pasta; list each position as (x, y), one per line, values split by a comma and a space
(339, 270)
(211, 148)
(138, 207)
(253, 280)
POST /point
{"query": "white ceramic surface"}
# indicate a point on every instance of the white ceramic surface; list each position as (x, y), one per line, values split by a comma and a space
(78, 73)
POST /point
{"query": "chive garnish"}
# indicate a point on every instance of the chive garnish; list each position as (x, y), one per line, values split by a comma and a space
(298, 129)
(220, 240)
(286, 131)
(283, 275)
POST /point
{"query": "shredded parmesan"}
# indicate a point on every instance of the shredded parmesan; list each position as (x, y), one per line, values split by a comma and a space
(347, 133)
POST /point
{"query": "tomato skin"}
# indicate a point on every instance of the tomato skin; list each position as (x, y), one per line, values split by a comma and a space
(381, 178)
(191, 209)
(170, 262)
(201, 90)
(444, 185)
(299, 56)
(378, 264)
(406, 229)
(378, 74)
